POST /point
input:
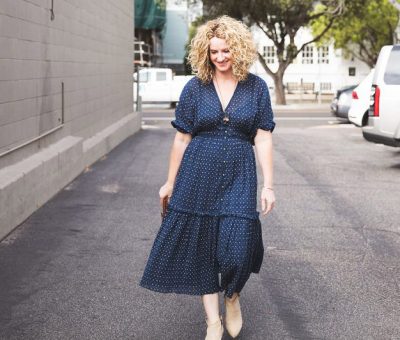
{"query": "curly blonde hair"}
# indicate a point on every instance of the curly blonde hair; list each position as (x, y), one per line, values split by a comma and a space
(237, 36)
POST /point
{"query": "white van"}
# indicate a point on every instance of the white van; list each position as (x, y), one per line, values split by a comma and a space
(159, 86)
(384, 112)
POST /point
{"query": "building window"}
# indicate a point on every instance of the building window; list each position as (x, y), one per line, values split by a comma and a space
(352, 71)
(325, 87)
(269, 54)
(323, 55)
(308, 55)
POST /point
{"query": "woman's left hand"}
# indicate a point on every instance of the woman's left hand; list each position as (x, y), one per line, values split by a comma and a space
(267, 200)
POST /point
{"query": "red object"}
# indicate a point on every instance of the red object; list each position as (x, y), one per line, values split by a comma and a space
(354, 95)
(376, 101)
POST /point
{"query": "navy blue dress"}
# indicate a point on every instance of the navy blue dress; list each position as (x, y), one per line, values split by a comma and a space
(210, 240)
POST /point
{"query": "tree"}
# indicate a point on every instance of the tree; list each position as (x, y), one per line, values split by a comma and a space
(280, 20)
(362, 30)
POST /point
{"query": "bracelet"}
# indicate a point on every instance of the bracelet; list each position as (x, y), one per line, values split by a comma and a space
(268, 188)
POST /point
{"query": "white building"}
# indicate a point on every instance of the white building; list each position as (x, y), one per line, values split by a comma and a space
(180, 13)
(323, 67)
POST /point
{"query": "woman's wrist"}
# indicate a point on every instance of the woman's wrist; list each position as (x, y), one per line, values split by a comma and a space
(169, 183)
(269, 187)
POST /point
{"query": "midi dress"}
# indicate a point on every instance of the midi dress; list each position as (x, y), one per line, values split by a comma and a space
(210, 239)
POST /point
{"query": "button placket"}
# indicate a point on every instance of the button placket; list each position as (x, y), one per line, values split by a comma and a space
(224, 164)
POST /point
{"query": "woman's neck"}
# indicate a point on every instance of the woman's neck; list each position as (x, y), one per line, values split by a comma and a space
(224, 76)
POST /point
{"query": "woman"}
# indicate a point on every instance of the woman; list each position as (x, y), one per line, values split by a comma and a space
(210, 240)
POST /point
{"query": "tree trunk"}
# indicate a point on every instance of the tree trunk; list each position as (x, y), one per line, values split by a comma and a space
(277, 76)
(280, 97)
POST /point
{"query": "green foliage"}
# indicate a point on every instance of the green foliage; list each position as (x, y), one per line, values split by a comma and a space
(364, 27)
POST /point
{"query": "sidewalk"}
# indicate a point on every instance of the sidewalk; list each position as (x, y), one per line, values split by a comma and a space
(302, 107)
(303, 102)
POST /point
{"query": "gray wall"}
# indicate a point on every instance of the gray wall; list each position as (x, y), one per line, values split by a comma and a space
(89, 47)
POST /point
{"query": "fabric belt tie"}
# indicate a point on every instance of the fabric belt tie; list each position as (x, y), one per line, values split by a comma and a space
(222, 134)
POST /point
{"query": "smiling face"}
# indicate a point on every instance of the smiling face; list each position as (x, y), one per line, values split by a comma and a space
(220, 55)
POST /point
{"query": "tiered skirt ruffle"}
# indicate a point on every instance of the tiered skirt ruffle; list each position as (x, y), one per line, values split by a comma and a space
(201, 254)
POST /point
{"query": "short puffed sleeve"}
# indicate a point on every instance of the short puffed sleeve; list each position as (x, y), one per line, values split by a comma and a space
(184, 113)
(265, 116)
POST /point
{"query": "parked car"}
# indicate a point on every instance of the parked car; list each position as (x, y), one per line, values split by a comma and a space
(341, 102)
(358, 112)
(159, 85)
(384, 112)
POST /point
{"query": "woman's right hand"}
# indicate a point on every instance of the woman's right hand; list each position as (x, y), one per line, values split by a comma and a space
(165, 191)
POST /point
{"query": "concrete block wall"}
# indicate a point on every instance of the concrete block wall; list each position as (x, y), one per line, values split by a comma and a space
(88, 47)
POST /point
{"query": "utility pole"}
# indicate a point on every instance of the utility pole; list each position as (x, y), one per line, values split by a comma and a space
(138, 98)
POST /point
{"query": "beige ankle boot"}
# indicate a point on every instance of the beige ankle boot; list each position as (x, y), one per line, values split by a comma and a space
(214, 330)
(233, 318)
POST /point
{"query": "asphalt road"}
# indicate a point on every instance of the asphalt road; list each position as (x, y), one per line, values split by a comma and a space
(331, 268)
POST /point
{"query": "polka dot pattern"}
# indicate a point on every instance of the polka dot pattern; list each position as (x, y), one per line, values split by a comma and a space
(210, 239)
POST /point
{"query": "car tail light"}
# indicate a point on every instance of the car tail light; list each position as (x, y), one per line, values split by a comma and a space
(354, 95)
(374, 102)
